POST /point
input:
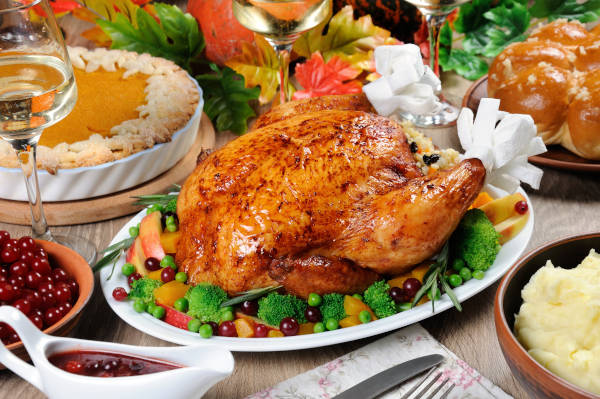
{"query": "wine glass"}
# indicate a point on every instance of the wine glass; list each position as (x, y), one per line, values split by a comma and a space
(37, 89)
(281, 22)
(435, 12)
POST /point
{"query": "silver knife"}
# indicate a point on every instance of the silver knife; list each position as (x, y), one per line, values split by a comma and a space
(387, 379)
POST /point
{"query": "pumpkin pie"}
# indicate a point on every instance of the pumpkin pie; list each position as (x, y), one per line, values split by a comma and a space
(127, 102)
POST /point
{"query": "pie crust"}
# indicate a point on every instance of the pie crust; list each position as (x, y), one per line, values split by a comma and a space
(171, 98)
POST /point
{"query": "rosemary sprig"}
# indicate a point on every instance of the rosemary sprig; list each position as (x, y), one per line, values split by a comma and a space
(112, 254)
(434, 276)
(250, 295)
(160, 199)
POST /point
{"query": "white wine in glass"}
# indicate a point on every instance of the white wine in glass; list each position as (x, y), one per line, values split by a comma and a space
(435, 12)
(281, 22)
(37, 89)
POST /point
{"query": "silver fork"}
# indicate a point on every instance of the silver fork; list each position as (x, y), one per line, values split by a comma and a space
(425, 385)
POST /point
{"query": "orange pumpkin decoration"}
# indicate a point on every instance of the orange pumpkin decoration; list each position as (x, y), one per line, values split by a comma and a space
(222, 32)
(397, 16)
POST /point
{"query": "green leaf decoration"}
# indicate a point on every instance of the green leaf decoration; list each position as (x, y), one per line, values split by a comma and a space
(176, 38)
(226, 99)
(587, 11)
(463, 62)
(250, 295)
(510, 26)
(110, 9)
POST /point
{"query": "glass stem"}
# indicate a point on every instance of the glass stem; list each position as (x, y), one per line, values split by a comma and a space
(26, 153)
(434, 24)
(283, 50)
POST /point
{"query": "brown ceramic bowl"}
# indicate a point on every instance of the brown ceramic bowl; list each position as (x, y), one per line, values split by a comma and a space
(77, 268)
(539, 381)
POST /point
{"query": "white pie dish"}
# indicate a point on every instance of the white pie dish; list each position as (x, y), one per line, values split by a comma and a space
(107, 178)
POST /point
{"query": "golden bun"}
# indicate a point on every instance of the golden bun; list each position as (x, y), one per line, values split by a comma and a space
(554, 76)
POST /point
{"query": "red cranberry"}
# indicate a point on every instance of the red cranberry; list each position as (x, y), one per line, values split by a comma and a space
(48, 300)
(59, 274)
(37, 320)
(4, 272)
(26, 243)
(33, 280)
(152, 264)
(46, 279)
(73, 366)
(261, 331)
(7, 292)
(249, 307)
(27, 257)
(52, 316)
(4, 236)
(12, 338)
(5, 330)
(214, 326)
(289, 326)
(10, 243)
(397, 294)
(133, 277)
(36, 312)
(74, 287)
(40, 253)
(313, 314)
(23, 305)
(19, 268)
(411, 286)
(62, 294)
(227, 329)
(17, 281)
(64, 308)
(521, 207)
(120, 294)
(45, 287)
(34, 297)
(41, 265)
(167, 274)
(9, 255)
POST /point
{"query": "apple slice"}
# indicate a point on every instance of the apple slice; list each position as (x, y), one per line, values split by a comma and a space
(511, 227)
(150, 231)
(175, 317)
(135, 256)
(503, 208)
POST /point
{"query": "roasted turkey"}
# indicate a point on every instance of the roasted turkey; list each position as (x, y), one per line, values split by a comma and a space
(323, 201)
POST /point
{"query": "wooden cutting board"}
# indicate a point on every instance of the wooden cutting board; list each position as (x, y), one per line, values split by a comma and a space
(116, 204)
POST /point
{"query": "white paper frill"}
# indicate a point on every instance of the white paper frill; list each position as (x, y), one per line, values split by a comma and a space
(503, 142)
(405, 85)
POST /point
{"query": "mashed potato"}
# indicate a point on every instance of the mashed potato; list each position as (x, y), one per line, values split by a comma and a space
(559, 321)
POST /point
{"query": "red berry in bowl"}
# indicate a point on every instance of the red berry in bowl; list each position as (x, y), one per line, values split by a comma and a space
(62, 294)
(42, 266)
(289, 326)
(74, 287)
(261, 331)
(167, 274)
(27, 257)
(73, 366)
(4, 236)
(9, 254)
(227, 329)
(17, 281)
(411, 286)
(132, 277)
(48, 300)
(34, 297)
(64, 308)
(26, 243)
(7, 292)
(18, 268)
(10, 243)
(52, 316)
(59, 274)
(119, 294)
(521, 207)
(23, 305)
(249, 307)
(45, 287)
(152, 264)
(33, 280)
(37, 320)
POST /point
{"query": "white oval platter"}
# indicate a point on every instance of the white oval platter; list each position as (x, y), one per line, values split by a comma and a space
(508, 255)
(107, 178)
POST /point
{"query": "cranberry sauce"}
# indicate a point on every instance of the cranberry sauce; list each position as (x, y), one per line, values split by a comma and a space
(107, 364)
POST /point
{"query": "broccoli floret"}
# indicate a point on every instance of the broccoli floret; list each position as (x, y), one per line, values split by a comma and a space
(274, 307)
(171, 206)
(333, 307)
(205, 301)
(475, 240)
(144, 289)
(378, 299)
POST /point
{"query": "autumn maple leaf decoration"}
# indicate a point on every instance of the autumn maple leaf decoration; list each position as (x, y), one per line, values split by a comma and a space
(319, 78)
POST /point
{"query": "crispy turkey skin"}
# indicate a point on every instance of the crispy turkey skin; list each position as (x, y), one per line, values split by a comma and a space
(320, 202)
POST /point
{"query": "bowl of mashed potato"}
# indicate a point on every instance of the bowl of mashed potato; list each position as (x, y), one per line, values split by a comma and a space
(547, 316)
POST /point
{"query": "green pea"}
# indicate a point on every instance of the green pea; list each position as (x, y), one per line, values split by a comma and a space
(128, 269)
(458, 264)
(158, 312)
(358, 296)
(206, 331)
(314, 299)
(181, 304)
(134, 231)
(139, 305)
(194, 325)
(478, 274)
(364, 316)
(455, 280)
(154, 208)
(181, 277)
(465, 273)
(171, 228)
(438, 295)
(318, 328)
(226, 309)
(404, 306)
(227, 315)
(332, 324)
(170, 220)
(150, 308)
(168, 260)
